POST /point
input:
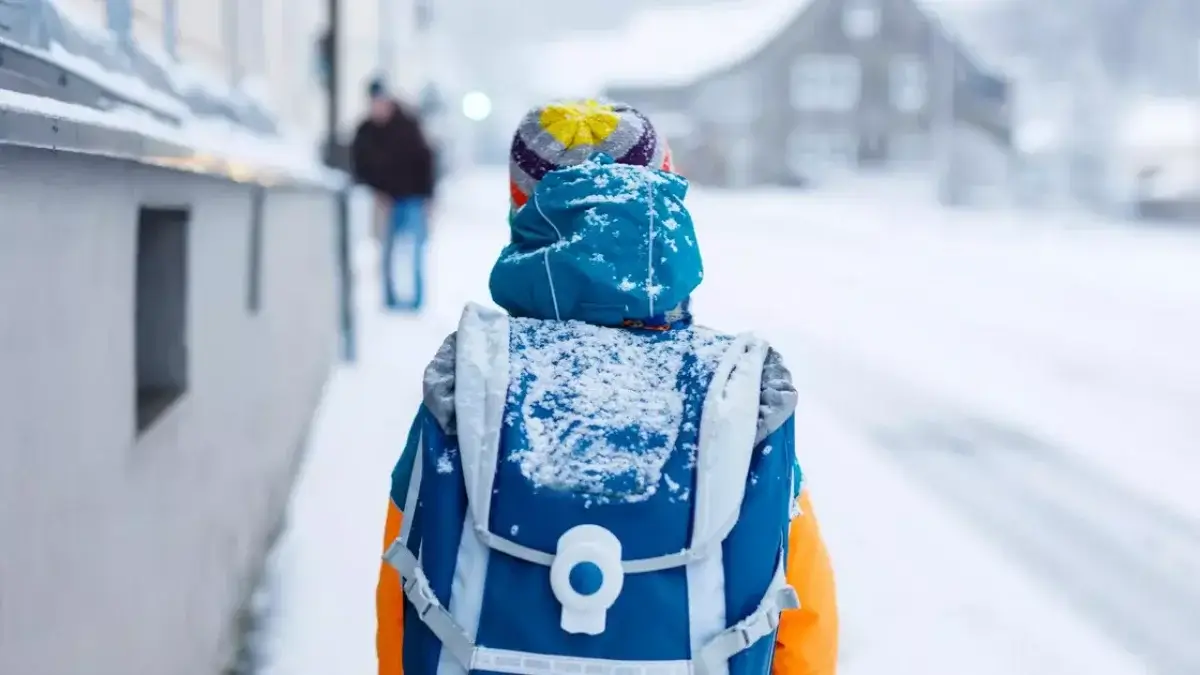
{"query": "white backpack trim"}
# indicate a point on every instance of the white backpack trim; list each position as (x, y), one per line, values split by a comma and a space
(480, 392)
(706, 593)
(728, 427)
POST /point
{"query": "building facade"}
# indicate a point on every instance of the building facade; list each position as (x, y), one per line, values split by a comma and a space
(169, 325)
(843, 84)
(270, 47)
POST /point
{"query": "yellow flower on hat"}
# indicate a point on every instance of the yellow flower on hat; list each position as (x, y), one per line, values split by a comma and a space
(578, 123)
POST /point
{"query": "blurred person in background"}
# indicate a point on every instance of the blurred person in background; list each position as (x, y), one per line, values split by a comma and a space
(593, 479)
(392, 156)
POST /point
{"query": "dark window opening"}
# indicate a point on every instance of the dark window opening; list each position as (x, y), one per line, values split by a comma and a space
(161, 312)
(258, 198)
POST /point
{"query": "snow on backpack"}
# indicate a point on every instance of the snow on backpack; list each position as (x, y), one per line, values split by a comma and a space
(598, 510)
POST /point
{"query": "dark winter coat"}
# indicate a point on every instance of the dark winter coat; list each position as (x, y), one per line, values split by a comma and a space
(394, 158)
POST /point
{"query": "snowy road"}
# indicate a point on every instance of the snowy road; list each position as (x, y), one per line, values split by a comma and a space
(1128, 564)
(998, 428)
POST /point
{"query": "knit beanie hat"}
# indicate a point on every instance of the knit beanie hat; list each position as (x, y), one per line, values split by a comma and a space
(568, 132)
(377, 88)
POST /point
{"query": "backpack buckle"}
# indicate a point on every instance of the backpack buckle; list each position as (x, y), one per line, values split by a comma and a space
(758, 626)
(420, 594)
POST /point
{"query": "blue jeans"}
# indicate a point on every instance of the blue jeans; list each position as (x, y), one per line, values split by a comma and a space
(405, 243)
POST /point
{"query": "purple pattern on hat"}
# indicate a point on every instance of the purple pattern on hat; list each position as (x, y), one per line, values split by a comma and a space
(642, 152)
(533, 164)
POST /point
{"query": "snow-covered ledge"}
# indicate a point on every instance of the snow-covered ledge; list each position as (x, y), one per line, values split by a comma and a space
(214, 147)
(96, 94)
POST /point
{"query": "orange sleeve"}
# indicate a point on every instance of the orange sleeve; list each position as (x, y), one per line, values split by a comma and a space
(389, 604)
(807, 641)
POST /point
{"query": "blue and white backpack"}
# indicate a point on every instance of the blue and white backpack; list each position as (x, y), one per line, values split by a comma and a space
(595, 501)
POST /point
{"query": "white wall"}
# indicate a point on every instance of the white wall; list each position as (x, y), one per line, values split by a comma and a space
(126, 553)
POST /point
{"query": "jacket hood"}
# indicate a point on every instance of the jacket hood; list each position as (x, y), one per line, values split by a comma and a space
(600, 242)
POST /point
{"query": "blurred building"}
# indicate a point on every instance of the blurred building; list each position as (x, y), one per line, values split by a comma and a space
(269, 48)
(791, 91)
(264, 47)
(788, 92)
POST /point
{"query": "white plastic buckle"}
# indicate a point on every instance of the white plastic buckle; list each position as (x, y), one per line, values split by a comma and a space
(586, 613)
(420, 594)
(753, 630)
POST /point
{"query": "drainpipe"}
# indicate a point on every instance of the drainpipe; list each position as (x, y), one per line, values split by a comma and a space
(170, 28)
(386, 41)
(233, 44)
(119, 14)
(942, 63)
(331, 46)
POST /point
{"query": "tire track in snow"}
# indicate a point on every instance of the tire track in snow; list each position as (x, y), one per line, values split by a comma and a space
(1125, 563)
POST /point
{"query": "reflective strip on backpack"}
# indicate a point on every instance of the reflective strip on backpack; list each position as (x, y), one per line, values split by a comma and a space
(524, 663)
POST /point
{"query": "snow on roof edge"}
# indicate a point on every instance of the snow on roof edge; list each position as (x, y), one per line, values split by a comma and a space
(215, 148)
(745, 27)
(948, 17)
(184, 79)
(774, 18)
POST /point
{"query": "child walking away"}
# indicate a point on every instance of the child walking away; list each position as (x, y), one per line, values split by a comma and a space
(594, 484)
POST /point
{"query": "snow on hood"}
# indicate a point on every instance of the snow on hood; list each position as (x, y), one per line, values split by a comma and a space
(600, 242)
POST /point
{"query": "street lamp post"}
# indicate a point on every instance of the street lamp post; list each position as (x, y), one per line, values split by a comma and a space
(386, 40)
(331, 48)
(943, 64)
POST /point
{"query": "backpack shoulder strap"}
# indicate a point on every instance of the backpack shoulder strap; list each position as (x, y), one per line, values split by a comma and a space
(480, 392)
(728, 426)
